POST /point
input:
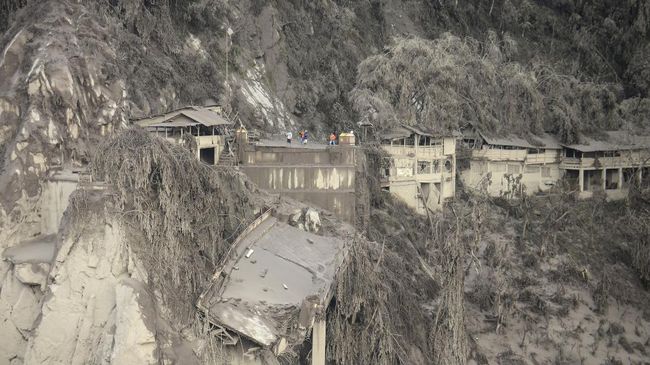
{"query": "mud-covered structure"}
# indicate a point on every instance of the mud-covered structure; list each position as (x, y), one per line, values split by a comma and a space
(421, 167)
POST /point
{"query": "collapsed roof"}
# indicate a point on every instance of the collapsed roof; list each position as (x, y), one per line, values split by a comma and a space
(276, 280)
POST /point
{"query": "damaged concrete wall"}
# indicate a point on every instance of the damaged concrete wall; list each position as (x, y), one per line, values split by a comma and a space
(325, 177)
(290, 178)
(493, 176)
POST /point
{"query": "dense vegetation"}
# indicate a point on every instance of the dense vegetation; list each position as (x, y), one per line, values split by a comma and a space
(560, 65)
(450, 82)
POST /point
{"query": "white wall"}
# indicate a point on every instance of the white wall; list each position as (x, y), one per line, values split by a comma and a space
(54, 202)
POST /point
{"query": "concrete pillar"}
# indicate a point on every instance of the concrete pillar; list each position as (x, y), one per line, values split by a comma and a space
(581, 179)
(603, 176)
(241, 141)
(639, 175)
(318, 342)
(620, 178)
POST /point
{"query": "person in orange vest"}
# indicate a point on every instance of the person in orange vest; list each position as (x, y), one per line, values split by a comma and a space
(332, 139)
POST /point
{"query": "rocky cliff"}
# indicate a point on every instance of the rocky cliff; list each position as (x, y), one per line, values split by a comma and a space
(73, 72)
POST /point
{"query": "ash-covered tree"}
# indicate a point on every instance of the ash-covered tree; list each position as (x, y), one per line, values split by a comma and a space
(445, 83)
(450, 82)
(638, 71)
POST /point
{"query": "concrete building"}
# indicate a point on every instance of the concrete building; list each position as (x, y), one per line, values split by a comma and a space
(421, 169)
(205, 124)
(609, 165)
(505, 165)
(318, 174)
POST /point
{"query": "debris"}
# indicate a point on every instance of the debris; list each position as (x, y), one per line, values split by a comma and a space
(236, 267)
(253, 261)
(280, 346)
(295, 218)
(249, 252)
(310, 241)
(312, 220)
(263, 274)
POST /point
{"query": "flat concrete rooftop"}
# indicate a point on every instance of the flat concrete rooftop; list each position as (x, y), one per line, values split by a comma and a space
(272, 271)
(312, 145)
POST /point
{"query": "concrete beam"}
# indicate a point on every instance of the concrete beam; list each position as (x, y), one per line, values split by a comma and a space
(318, 342)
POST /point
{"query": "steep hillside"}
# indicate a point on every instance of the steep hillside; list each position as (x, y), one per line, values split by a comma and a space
(284, 63)
(72, 73)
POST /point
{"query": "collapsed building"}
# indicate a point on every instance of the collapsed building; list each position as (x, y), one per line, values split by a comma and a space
(501, 165)
(274, 286)
(421, 167)
(205, 125)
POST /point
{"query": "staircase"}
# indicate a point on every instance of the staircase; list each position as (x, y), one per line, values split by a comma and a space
(227, 156)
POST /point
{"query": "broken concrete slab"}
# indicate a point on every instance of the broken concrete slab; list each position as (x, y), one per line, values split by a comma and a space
(298, 266)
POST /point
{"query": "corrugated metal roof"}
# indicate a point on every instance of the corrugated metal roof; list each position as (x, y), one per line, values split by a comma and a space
(544, 141)
(417, 130)
(176, 123)
(404, 131)
(613, 141)
(395, 133)
(205, 116)
(548, 141)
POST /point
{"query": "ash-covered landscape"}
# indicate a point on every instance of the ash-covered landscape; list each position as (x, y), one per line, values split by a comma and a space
(325, 182)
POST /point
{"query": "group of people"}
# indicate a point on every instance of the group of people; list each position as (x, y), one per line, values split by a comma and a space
(304, 136)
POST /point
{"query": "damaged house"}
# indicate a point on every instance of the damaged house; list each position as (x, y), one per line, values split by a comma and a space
(274, 287)
(421, 169)
(205, 125)
(501, 165)
(608, 165)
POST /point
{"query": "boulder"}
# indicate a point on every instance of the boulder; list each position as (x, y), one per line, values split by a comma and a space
(32, 273)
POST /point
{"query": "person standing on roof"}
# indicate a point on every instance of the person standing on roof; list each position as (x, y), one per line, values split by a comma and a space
(305, 137)
(289, 137)
(332, 139)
